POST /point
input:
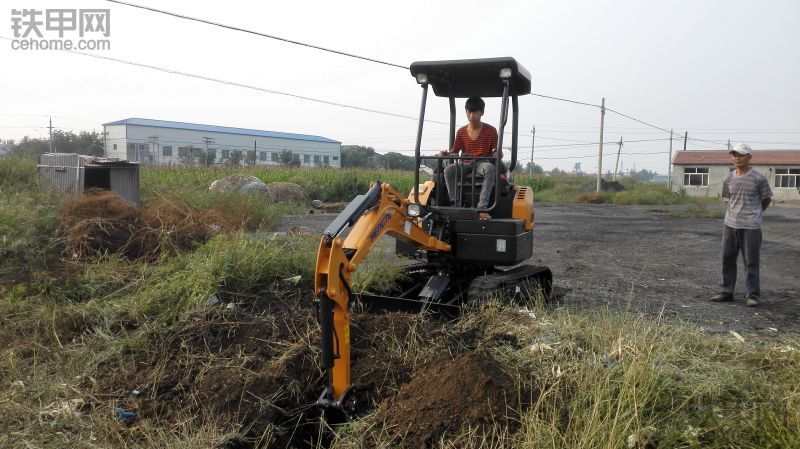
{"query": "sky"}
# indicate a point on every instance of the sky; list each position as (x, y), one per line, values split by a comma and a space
(717, 70)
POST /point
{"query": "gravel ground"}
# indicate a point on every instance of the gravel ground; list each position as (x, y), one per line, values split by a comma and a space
(644, 259)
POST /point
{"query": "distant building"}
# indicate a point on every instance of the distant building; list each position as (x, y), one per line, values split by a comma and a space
(5, 148)
(161, 142)
(701, 173)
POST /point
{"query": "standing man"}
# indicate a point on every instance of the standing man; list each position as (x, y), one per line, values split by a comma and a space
(748, 195)
(475, 139)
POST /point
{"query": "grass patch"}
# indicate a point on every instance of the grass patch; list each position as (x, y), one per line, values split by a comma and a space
(599, 380)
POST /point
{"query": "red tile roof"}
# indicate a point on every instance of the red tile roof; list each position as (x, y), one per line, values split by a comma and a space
(721, 157)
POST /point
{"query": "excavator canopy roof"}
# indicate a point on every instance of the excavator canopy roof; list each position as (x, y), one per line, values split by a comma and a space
(473, 77)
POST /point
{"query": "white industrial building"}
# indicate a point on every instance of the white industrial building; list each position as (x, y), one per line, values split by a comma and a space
(161, 142)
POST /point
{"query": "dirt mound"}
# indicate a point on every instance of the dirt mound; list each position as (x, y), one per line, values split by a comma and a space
(591, 198)
(288, 192)
(448, 398)
(605, 186)
(252, 367)
(99, 222)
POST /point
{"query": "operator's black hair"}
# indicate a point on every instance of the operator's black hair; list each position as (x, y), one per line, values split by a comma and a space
(474, 104)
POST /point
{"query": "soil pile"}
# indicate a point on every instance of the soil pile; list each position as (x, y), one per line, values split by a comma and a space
(287, 192)
(449, 397)
(250, 366)
(100, 222)
(605, 186)
(97, 222)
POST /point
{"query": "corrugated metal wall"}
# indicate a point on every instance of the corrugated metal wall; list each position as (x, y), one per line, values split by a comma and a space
(62, 171)
(125, 181)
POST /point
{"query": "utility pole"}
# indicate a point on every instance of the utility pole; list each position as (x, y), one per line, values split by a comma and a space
(729, 145)
(616, 166)
(105, 137)
(206, 140)
(533, 140)
(255, 151)
(51, 134)
(669, 164)
(685, 138)
(600, 155)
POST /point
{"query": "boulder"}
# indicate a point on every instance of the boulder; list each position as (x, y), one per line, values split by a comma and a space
(241, 184)
(232, 183)
(287, 192)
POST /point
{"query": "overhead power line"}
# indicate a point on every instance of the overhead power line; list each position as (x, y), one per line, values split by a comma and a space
(637, 120)
(257, 33)
(564, 99)
(343, 53)
(246, 86)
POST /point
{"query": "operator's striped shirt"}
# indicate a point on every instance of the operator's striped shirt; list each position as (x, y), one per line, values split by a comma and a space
(480, 147)
(744, 195)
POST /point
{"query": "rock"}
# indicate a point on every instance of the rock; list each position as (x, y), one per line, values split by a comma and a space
(232, 183)
(243, 184)
(287, 192)
(255, 186)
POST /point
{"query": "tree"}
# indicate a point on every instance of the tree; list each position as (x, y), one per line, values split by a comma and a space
(289, 159)
(31, 146)
(186, 155)
(394, 161)
(642, 175)
(236, 157)
(556, 171)
(537, 169)
(358, 156)
(85, 142)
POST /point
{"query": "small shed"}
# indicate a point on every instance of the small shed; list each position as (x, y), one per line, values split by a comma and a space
(74, 173)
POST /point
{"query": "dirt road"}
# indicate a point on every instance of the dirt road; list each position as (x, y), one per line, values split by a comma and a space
(644, 259)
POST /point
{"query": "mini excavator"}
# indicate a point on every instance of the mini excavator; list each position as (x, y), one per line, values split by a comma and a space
(458, 258)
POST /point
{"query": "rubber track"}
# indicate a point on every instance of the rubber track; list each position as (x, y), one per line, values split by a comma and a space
(487, 285)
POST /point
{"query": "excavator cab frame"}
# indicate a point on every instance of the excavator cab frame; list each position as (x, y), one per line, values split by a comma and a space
(460, 259)
(493, 77)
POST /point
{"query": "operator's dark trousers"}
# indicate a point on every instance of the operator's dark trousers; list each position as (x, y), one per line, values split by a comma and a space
(748, 242)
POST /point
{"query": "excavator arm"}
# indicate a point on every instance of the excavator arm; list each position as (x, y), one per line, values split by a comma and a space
(380, 211)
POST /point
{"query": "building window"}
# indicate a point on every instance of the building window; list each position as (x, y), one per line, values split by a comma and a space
(262, 155)
(336, 158)
(237, 154)
(325, 159)
(276, 157)
(226, 154)
(115, 146)
(132, 146)
(787, 177)
(316, 158)
(306, 158)
(695, 176)
(166, 150)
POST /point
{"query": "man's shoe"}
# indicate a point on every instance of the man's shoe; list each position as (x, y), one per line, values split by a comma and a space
(752, 302)
(722, 297)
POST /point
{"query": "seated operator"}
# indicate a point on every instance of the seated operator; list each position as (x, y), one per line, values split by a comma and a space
(475, 139)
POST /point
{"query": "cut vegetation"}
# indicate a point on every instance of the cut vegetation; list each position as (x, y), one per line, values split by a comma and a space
(174, 326)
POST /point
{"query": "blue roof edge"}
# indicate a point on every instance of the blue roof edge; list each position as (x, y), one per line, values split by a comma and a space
(136, 121)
